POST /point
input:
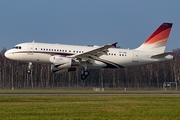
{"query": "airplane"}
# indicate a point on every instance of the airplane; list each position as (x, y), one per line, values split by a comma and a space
(66, 58)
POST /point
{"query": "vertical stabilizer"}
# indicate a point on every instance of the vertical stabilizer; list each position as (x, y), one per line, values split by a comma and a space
(157, 41)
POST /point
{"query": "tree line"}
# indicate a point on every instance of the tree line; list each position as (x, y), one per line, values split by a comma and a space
(13, 74)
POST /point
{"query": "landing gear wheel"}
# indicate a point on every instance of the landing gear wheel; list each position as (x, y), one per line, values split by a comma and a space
(86, 73)
(83, 77)
(28, 71)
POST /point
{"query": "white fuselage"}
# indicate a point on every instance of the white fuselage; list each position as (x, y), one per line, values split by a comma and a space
(41, 53)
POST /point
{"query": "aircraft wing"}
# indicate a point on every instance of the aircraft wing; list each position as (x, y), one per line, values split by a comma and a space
(95, 53)
(161, 55)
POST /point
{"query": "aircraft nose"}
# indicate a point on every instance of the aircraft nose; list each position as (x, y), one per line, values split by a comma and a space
(7, 54)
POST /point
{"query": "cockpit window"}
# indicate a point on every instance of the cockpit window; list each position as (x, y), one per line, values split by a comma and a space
(17, 47)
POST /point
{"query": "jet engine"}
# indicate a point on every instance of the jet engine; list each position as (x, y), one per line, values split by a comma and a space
(62, 64)
(61, 70)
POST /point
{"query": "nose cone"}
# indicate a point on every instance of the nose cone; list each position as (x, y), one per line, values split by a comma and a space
(7, 54)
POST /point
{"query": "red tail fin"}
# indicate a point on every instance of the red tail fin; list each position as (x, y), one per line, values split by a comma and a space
(158, 39)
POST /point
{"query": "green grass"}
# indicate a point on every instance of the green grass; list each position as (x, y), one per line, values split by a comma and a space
(89, 107)
(83, 90)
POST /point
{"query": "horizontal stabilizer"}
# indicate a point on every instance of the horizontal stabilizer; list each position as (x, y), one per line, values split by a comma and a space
(162, 55)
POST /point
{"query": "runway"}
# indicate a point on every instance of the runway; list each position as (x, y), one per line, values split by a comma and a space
(91, 93)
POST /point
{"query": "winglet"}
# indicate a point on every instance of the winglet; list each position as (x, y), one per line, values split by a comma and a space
(114, 44)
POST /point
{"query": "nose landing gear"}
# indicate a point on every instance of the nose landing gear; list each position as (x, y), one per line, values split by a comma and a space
(29, 67)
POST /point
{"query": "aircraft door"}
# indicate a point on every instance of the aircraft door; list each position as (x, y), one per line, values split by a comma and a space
(30, 48)
(135, 56)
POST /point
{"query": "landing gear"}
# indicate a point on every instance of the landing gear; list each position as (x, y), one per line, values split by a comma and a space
(84, 75)
(85, 72)
(29, 67)
(28, 71)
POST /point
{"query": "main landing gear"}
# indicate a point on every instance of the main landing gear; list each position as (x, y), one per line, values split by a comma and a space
(29, 67)
(84, 75)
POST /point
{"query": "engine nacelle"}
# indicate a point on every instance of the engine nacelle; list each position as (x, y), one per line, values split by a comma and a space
(63, 62)
(62, 70)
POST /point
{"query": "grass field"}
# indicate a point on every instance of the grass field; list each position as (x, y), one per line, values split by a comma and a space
(90, 107)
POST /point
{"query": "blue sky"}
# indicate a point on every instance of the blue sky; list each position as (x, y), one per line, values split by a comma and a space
(87, 22)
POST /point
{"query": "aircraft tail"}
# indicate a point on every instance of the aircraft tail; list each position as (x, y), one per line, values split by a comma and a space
(157, 41)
